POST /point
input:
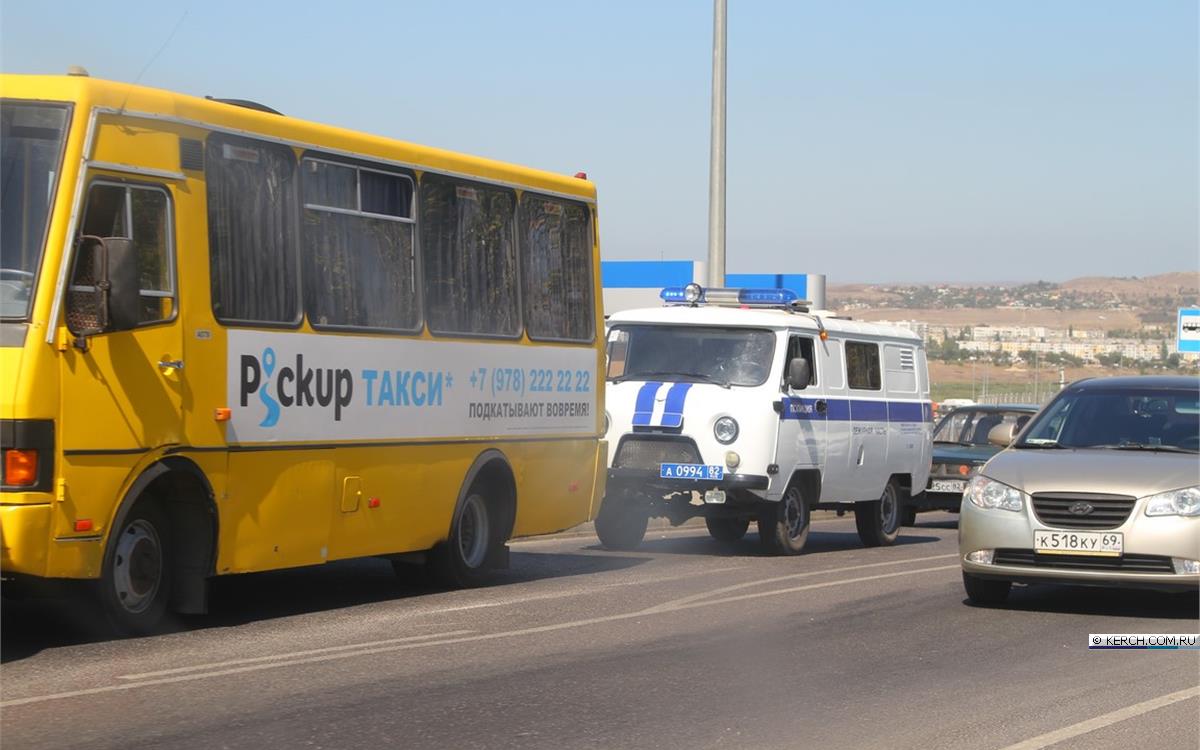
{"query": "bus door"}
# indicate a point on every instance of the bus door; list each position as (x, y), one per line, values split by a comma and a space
(123, 369)
(803, 423)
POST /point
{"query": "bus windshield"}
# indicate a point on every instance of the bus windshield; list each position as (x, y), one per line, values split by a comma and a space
(31, 144)
(698, 354)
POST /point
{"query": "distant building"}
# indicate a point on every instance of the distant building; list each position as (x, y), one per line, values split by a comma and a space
(637, 283)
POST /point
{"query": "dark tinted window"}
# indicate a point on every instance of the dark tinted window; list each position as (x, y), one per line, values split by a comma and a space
(252, 224)
(1133, 418)
(358, 247)
(468, 257)
(862, 366)
(556, 256)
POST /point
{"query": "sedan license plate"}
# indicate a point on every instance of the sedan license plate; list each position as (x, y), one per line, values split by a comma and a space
(691, 471)
(947, 485)
(1095, 543)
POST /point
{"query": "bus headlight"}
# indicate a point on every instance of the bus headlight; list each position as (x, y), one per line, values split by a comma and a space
(725, 430)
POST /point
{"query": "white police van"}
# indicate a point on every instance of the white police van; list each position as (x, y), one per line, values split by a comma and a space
(743, 405)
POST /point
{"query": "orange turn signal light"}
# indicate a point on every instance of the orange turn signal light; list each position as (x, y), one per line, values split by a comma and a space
(20, 467)
(83, 524)
(222, 413)
(964, 470)
(372, 502)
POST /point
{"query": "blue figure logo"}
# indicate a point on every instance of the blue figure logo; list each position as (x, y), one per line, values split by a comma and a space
(268, 364)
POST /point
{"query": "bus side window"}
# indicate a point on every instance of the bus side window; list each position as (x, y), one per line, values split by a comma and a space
(140, 214)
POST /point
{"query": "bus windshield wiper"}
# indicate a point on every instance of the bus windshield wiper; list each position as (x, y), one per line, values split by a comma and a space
(671, 374)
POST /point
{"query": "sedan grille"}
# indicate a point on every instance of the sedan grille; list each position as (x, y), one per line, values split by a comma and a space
(1082, 510)
(1125, 564)
(645, 452)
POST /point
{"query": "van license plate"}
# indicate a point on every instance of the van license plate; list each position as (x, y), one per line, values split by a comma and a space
(947, 485)
(1095, 543)
(691, 471)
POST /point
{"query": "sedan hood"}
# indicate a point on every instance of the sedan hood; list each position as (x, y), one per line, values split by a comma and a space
(1105, 471)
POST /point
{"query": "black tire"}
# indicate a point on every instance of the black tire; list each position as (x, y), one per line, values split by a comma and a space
(909, 516)
(783, 528)
(878, 521)
(462, 560)
(985, 592)
(727, 529)
(621, 523)
(135, 580)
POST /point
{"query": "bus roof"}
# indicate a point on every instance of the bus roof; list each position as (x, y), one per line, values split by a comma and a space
(713, 315)
(131, 100)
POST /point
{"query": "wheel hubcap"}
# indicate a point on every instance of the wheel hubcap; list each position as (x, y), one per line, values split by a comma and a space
(888, 510)
(473, 531)
(138, 567)
(794, 516)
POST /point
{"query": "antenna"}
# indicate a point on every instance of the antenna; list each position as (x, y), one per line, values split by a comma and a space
(160, 49)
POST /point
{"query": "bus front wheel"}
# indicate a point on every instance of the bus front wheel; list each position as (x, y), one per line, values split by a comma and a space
(461, 561)
(135, 583)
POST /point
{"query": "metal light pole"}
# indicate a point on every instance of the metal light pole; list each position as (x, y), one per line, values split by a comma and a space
(716, 159)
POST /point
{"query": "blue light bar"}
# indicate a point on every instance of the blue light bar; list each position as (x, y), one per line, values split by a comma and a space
(767, 296)
(677, 295)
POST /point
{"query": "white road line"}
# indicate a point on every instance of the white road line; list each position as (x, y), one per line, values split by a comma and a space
(1104, 720)
(291, 655)
(285, 662)
(677, 603)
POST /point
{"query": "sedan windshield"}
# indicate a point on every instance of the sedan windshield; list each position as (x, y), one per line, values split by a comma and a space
(971, 426)
(31, 144)
(1151, 419)
(699, 354)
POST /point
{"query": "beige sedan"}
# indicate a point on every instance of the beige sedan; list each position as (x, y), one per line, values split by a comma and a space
(1101, 488)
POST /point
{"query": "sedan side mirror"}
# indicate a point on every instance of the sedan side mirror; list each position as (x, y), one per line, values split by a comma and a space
(1002, 434)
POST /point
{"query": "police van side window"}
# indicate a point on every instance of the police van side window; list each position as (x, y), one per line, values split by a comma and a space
(862, 366)
(901, 363)
(800, 346)
(831, 365)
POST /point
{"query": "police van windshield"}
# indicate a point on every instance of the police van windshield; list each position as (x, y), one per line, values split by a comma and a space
(695, 354)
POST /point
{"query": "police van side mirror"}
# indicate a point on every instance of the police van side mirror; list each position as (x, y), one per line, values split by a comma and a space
(799, 374)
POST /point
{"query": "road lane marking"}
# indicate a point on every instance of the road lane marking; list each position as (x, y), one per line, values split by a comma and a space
(1104, 720)
(291, 655)
(677, 603)
(323, 657)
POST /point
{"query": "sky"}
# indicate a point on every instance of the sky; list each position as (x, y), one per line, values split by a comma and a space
(872, 141)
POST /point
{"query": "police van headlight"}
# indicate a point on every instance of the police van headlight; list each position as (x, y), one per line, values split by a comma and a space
(725, 430)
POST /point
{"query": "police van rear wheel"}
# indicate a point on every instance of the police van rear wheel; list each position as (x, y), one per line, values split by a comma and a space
(783, 528)
(878, 521)
(621, 523)
(727, 529)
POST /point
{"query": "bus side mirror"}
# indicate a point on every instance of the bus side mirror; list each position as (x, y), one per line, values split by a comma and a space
(104, 293)
(799, 374)
(1002, 434)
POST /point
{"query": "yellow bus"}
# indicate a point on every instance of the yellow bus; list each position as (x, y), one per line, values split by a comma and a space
(235, 341)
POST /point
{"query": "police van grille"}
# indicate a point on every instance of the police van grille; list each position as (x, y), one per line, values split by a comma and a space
(645, 452)
(1126, 563)
(1109, 511)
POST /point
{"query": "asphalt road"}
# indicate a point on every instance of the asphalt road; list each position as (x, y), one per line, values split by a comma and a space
(685, 643)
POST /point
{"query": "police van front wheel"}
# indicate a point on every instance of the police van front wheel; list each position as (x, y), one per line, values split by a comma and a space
(783, 527)
(878, 521)
(621, 523)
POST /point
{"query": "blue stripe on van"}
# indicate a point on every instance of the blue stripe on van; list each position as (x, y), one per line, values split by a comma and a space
(845, 410)
(643, 408)
(673, 411)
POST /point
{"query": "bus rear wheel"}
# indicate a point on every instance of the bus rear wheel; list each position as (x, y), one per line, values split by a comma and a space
(461, 561)
(135, 582)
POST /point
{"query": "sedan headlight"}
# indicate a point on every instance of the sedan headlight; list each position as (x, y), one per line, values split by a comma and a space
(1185, 502)
(988, 493)
(725, 430)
